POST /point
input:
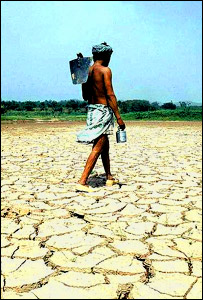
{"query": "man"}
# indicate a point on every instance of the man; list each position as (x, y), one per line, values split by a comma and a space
(98, 91)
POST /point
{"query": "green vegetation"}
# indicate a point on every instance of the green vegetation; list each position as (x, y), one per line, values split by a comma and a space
(75, 110)
(42, 115)
(194, 114)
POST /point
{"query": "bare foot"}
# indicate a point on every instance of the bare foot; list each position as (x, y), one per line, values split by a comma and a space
(112, 181)
(82, 182)
(84, 188)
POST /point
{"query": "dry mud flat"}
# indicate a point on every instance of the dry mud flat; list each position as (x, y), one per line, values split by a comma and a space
(140, 239)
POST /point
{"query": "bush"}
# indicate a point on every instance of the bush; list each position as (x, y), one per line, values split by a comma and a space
(134, 106)
(168, 105)
(28, 105)
(155, 106)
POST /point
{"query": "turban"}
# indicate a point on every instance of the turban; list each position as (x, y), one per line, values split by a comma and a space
(102, 48)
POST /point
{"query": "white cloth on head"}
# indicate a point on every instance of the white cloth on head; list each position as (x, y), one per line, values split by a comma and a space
(102, 48)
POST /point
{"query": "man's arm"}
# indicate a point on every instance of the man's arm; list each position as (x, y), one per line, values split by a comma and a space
(111, 98)
(85, 91)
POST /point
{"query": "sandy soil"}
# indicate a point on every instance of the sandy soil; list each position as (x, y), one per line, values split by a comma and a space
(140, 239)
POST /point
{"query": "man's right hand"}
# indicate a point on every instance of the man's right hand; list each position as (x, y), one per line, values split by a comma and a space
(121, 124)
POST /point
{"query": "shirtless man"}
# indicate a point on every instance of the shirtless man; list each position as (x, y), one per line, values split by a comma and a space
(98, 90)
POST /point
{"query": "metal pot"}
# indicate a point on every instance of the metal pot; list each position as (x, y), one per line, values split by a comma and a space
(121, 136)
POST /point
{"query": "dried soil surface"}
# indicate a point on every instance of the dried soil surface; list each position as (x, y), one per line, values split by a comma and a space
(140, 239)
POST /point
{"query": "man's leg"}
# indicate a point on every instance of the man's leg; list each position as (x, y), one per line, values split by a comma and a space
(91, 161)
(106, 159)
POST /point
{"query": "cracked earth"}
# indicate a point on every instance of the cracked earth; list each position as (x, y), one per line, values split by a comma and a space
(140, 239)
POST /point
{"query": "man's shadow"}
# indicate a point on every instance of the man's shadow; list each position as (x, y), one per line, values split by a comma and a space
(99, 181)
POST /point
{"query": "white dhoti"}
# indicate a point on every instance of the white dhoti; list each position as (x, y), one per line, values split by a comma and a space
(99, 121)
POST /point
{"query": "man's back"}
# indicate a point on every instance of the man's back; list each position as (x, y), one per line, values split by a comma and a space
(98, 89)
(97, 83)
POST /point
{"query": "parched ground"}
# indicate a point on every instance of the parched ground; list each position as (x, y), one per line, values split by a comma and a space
(140, 239)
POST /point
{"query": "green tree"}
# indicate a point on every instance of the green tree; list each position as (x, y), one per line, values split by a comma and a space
(28, 105)
(185, 105)
(168, 105)
(155, 106)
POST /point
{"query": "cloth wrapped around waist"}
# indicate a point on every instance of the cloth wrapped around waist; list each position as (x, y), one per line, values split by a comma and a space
(99, 121)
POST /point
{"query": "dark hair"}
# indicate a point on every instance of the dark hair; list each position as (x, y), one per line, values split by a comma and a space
(101, 55)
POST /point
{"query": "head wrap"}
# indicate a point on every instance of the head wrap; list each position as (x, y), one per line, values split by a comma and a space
(102, 48)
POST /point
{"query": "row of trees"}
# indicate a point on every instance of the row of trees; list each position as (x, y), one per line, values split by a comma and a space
(71, 106)
(143, 105)
(47, 105)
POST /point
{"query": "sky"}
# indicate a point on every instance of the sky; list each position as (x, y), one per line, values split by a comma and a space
(157, 48)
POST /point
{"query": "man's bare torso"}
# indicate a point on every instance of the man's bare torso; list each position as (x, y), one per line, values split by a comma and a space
(96, 81)
(99, 90)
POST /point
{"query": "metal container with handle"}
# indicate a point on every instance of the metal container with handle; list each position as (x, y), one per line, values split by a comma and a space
(121, 136)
